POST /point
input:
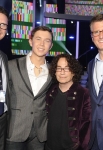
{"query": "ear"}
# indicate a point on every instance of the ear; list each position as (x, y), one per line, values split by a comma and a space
(30, 42)
(73, 74)
(92, 38)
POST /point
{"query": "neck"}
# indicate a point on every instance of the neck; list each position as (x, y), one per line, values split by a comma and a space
(37, 61)
(65, 87)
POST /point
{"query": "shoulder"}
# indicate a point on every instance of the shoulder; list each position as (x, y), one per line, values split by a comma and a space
(83, 94)
(3, 54)
(13, 61)
(91, 62)
(48, 65)
(52, 91)
(13, 64)
(52, 88)
(90, 66)
(82, 90)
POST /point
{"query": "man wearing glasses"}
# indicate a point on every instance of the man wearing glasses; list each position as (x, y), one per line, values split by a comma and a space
(3, 80)
(68, 107)
(95, 83)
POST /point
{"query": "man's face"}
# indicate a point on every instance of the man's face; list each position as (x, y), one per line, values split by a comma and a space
(64, 76)
(4, 23)
(98, 40)
(41, 43)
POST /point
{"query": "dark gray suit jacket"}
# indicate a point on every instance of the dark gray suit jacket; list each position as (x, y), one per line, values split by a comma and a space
(97, 108)
(24, 107)
(3, 118)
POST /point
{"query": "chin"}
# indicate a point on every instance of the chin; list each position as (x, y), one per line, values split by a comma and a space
(1, 37)
(62, 82)
(100, 49)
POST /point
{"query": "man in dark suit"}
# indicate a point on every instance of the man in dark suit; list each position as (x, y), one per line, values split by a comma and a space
(29, 80)
(3, 80)
(95, 83)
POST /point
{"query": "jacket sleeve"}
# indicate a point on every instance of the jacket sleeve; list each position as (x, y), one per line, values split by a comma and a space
(85, 127)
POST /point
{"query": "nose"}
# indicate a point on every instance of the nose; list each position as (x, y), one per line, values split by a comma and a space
(41, 42)
(101, 34)
(62, 71)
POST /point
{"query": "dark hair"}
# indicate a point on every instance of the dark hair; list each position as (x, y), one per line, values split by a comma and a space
(96, 18)
(73, 64)
(42, 28)
(3, 11)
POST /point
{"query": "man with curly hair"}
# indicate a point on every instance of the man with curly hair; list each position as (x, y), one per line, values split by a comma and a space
(68, 106)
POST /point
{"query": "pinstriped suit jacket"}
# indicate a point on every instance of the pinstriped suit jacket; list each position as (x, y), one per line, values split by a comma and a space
(24, 107)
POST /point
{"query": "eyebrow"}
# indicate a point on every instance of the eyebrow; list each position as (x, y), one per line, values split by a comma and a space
(60, 66)
(37, 37)
(3, 23)
(41, 37)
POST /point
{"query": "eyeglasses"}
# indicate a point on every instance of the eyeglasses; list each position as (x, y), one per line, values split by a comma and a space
(59, 69)
(96, 33)
(3, 26)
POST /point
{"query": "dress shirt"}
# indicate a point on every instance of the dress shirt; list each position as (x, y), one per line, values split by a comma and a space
(4, 80)
(39, 81)
(98, 73)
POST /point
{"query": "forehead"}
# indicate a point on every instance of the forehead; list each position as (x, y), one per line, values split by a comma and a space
(3, 18)
(96, 25)
(43, 34)
(62, 62)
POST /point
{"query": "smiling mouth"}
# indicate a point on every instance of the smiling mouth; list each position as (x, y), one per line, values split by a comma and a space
(40, 49)
(62, 77)
(100, 41)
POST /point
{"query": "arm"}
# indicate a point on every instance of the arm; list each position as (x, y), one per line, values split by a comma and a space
(85, 122)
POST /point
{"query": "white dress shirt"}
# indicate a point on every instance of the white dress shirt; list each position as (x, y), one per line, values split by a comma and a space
(39, 81)
(98, 73)
(4, 80)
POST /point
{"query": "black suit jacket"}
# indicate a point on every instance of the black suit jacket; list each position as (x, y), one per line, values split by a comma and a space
(3, 118)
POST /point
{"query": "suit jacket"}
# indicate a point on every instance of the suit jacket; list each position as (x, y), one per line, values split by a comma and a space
(3, 118)
(24, 107)
(97, 108)
(79, 113)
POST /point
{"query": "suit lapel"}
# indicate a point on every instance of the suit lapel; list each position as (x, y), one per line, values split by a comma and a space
(100, 91)
(24, 74)
(101, 87)
(45, 86)
(5, 61)
(91, 71)
(92, 87)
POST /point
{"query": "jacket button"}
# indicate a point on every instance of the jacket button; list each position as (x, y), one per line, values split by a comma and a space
(31, 112)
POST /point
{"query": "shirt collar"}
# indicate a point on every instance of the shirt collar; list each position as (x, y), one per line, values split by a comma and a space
(97, 58)
(29, 63)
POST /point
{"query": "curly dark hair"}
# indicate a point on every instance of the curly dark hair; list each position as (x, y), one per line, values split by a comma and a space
(73, 65)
